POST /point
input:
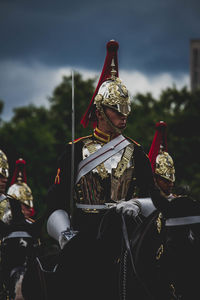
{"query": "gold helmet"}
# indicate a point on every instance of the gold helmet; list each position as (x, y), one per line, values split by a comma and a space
(110, 91)
(165, 166)
(113, 93)
(4, 167)
(19, 188)
(22, 192)
(161, 162)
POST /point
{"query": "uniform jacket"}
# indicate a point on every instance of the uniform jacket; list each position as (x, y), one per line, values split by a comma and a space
(139, 184)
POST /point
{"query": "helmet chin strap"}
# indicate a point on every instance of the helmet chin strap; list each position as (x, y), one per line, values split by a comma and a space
(116, 129)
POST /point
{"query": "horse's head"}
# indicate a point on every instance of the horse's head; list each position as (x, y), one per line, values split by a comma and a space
(18, 248)
(182, 246)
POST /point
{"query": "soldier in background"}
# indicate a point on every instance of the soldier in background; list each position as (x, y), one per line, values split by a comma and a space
(11, 216)
(21, 191)
(163, 165)
(182, 237)
(10, 208)
(161, 162)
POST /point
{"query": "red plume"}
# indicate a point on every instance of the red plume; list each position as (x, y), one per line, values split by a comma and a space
(19, 167)
(112, 47)
(160, 139)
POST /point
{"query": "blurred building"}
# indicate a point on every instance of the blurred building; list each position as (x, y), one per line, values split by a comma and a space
(194, 64)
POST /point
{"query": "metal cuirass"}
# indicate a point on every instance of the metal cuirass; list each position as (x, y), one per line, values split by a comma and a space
(109, 181)
(5, 210)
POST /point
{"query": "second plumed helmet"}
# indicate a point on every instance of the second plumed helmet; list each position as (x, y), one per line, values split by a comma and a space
(161, 162)
(19, 188)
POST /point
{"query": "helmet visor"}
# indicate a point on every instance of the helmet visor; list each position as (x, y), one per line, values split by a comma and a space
(124, 109)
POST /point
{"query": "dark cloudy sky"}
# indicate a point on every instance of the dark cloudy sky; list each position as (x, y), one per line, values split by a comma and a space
(40, 41)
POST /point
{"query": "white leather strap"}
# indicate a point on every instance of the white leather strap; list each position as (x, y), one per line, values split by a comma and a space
(18, 234)
(182, 221)
(96, 158)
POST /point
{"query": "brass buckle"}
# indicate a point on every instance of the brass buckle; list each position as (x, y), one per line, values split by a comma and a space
(91, 210)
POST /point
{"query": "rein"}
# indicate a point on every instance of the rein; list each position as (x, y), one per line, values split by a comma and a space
(137, 236)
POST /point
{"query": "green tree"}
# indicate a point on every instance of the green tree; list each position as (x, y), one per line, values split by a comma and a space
(1, 108)
(180, 110)
(39, 134)
(28, 135)
(61, 107)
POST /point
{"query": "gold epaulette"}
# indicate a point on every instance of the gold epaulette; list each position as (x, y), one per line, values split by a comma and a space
(133, 141)
(81, 138)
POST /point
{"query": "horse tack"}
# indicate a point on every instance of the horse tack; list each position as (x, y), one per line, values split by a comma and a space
(17, 249)
(146, 258)
(159, 228)
(133, 247)
(13, 264)
(133, 255)
(159, 252)
(159, 222)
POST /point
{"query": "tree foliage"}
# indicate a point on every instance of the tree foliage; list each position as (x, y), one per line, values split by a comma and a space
(39, 134)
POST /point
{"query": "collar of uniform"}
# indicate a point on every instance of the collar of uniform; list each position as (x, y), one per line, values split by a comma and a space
(102, 136)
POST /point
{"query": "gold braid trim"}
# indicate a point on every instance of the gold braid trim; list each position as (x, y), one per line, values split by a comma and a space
(90, 145)
(3, 206)
(122, 165)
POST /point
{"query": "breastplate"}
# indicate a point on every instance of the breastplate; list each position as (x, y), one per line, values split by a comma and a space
(5, 210)
(108, 181)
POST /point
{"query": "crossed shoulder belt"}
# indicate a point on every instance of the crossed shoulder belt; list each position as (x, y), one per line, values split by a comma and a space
(147, 206)
(104, 153)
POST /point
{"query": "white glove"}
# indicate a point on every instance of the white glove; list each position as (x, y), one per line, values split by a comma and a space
(66, 236)
(170, 197)
(131, 207)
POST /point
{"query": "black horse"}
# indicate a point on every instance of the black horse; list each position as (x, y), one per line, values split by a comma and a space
(19, 246)
(151, 258)
(182, 244)
(125, 261)
(163, 253)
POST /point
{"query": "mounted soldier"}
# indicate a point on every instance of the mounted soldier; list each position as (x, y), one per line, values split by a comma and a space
(20, 190)
(182, 229)
(10, 209)
(19, 233)
(161, 162)
(12, 223)
(109, 169)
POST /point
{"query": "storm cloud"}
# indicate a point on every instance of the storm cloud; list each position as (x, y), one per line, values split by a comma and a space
(40, 38)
